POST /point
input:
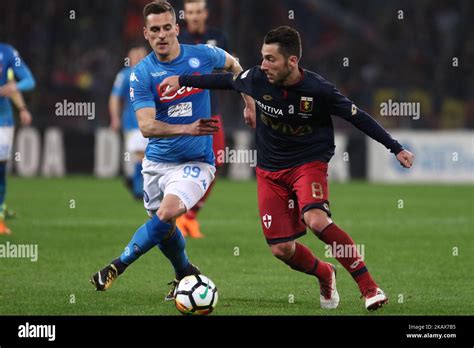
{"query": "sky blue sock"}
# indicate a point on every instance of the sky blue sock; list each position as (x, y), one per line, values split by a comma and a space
(154, 233)
(3, 182)
(145, 238)
(174, 249)
(138, 181)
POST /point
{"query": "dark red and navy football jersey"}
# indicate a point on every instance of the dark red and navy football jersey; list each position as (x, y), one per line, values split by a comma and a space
(214, 37)
(294, 124)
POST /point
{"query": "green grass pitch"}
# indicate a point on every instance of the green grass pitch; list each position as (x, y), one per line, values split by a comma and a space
(421, 254)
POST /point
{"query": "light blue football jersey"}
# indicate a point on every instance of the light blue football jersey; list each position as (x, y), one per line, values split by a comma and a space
(121, 89)
(183, 107)
(9, 58)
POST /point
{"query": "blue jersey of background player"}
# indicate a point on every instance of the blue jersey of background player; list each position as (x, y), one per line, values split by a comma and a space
(121, 89)
(10, 60)
(122, 116)
(179, 163)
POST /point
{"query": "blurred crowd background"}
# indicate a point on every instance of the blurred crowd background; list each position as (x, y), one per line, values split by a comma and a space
(399, 50)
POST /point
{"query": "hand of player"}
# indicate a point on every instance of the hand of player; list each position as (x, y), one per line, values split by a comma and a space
(25, 117)
(8, 89)
(250, 114)
(203, 126)
(169, 85)
(405, 158)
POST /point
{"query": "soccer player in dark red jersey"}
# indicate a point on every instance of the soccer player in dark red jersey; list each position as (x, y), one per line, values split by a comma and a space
(295, 141)
(198, 32)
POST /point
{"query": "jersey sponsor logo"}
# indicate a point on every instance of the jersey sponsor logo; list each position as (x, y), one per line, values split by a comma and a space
(194, 63)
(180, 93)
(267, 220)
(181, 110)
(158, 73)
(270, 110)
(285, 128)
(133, 77)
(267, 97)
(306, 104)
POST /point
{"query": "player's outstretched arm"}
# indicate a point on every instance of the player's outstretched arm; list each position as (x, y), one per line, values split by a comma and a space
(343, 107)
(152, 128)
(207, 81)
(115, 107)
(25, 115)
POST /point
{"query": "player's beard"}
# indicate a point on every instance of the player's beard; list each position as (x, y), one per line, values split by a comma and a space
(283, 75)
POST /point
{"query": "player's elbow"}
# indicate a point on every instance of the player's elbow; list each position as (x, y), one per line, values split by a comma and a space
(145, 129)
(27, 84)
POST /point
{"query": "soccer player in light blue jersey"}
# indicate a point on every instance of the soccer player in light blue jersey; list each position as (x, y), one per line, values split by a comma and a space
(179, 162)
(122, 116)
(10, 60)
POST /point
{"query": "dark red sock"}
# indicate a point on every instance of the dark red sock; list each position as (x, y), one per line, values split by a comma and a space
(192, 213)
(335, 237)
(304, 261)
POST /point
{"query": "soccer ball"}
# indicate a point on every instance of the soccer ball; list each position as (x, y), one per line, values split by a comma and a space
(195, 295)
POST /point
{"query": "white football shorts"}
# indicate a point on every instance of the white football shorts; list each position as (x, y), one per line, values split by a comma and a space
(189, 181)
(134, 141)
(6, 143)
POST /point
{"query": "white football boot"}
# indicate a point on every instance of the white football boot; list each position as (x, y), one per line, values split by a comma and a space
(375, 299)
(329, 296)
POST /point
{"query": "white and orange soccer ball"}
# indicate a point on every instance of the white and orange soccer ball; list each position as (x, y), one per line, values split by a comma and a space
(195, 295)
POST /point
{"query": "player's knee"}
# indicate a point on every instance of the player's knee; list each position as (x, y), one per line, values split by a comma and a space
(283, 251)
(317, 220)
(167, 214)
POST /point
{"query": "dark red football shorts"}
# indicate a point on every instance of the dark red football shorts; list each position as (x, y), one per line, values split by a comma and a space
(285, 195)
(218, 141)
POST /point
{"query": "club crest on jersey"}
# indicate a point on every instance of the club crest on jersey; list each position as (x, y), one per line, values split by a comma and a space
(194, 63)
(267, 220)
(306, 104)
